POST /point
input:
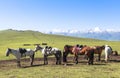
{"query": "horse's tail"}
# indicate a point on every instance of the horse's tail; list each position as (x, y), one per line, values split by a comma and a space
(58, 56)
(64, 53)
(64, 56)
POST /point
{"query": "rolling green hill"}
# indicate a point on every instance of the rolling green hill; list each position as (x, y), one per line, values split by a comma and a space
(15, 39)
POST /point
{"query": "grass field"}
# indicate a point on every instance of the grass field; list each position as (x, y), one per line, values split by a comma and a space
(16, 39)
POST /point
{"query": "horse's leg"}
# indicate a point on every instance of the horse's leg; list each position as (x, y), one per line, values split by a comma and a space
(60, 55)
(91, 57)
(18, 63)
(106, 56)
(76, 58)
(65, 54)
(64, 57)
(99, 56)
(57, 59)
(56, 56)
(109, 57)
(32, 59)
(45, 60)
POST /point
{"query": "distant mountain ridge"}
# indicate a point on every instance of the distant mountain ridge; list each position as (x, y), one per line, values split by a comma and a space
(95, 33)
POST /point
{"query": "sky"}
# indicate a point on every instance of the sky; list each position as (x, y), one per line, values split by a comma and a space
(46, 15)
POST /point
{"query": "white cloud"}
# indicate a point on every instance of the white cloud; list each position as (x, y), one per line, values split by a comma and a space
(94, 30)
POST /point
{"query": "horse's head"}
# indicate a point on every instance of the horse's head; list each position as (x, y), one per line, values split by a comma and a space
(8, 52)
(38, 47)
(115, 53)
(103, 47)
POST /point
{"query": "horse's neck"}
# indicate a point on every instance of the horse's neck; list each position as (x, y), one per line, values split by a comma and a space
(110, 47)
(39, 49)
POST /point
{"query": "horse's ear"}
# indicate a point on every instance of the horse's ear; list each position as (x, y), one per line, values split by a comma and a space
(103, 46)
(9, 49)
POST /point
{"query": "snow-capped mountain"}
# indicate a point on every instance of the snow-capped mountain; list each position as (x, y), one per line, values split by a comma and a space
(96, 33)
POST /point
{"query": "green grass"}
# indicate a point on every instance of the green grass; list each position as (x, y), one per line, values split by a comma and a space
(76, 71)
(15, 39)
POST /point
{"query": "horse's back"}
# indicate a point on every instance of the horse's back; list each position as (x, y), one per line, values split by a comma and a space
(68, 48)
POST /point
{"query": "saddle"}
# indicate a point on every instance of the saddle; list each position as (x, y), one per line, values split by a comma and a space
(48, 49)
(22, 51)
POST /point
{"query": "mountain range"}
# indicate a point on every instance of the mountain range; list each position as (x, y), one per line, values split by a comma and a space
(96, 33)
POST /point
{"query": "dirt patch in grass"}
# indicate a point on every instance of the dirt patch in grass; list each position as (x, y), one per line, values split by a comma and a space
(25, 62)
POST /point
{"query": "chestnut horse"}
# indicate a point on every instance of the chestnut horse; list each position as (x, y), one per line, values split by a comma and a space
(87, 51)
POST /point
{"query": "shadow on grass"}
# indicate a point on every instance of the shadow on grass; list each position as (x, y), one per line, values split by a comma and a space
(99, 64)
(114, 61)
(33, 66)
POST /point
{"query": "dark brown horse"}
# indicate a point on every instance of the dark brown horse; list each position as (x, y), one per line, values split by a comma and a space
(98, 50)
(87, 51)
(67, 50)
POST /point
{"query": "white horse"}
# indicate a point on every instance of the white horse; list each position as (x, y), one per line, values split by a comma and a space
(108, 52)
(48, 51)
(19, 53)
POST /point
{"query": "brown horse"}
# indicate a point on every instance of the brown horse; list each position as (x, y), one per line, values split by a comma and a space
(67, 50)
(89, 52)
(98, 50)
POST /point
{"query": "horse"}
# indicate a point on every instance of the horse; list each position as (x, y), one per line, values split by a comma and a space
(108, 52)
(115, 53)
(67, 50)
(19, 53)
(48, 51)
(81, 51)
(98, 50)
(88, 52)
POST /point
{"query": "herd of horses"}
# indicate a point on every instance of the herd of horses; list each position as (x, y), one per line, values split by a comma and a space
(76, 50)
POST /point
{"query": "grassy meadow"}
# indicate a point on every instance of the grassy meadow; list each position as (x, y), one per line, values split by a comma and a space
(16, 39)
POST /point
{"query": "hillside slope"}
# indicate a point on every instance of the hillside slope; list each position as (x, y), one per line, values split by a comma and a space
(32, 37)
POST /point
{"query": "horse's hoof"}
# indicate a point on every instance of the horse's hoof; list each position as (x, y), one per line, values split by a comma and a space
(76, 63)
(88, 63)
(19, 66)
(65, 64)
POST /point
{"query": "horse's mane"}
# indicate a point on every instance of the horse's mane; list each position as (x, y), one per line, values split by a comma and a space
(110, 47)
(68, 46)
